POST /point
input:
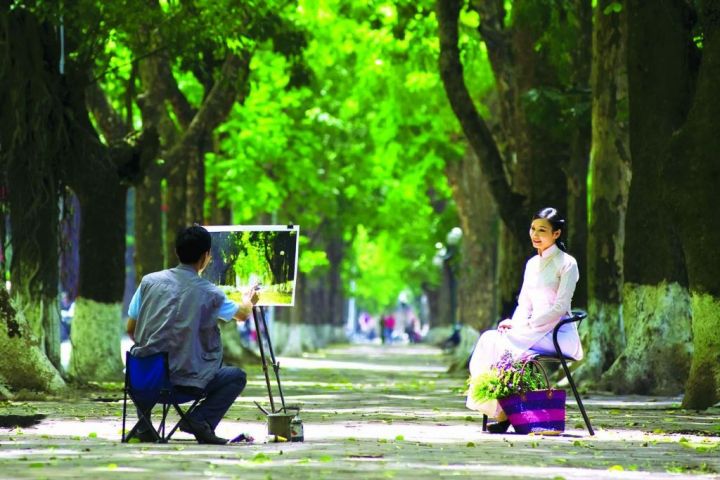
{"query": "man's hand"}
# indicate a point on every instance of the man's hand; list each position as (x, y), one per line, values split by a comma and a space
(250, 299)
(505, 325)
(252, 296)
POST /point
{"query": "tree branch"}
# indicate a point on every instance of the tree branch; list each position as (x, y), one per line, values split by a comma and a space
(476, 130)
(218, 103)
(109, 120)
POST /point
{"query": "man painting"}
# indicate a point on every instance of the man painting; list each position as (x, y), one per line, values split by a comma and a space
(176, 311)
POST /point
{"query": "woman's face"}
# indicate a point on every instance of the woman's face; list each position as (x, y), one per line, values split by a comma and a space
(542, 235)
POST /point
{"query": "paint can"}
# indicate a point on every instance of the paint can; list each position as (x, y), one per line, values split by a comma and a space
(296, 429)
(279, 425)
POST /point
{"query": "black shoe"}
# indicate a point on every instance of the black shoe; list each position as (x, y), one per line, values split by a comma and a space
(499, 427)
(148, 436)
(202, 431)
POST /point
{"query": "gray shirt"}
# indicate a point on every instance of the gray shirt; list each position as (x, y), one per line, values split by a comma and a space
(177, 312)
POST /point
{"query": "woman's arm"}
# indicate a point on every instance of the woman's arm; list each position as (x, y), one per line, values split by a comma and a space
(524, 307)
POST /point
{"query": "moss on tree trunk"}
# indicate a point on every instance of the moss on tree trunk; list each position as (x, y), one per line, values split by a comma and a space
(95, 339)
(656, 358)
(702, 389)
(23, 364)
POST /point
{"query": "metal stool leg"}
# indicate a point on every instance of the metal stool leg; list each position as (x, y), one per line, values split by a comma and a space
(577, 396)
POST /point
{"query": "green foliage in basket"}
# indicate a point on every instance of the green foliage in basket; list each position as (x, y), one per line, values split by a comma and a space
(506, 377)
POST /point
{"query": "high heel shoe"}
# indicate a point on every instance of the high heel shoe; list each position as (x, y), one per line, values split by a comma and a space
(499, 427)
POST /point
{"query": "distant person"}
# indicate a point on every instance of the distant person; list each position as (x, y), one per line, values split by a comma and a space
(67, 312)
(412, 330)
(388, 327)
(453, 340)
(177, 311)
(366, 325)
(545, 296)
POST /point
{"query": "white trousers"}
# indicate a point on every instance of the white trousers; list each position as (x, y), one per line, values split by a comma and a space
(493, 344)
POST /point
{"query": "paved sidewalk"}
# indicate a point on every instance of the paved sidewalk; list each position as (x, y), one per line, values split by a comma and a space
(369, 412)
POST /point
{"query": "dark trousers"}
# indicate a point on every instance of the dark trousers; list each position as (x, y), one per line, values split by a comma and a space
(221, 391)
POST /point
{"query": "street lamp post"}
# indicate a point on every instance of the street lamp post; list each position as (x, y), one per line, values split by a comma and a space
(453, 239)
(444, 258)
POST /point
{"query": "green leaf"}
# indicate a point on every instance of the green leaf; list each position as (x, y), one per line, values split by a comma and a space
(261, 458)
(614, 7)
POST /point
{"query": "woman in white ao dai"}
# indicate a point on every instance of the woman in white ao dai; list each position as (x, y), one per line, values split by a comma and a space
(548, 286)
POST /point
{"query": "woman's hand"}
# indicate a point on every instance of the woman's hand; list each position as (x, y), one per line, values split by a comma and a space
(505, 325)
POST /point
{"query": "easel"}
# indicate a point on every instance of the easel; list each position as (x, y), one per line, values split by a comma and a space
(258, 314)
(280, 422)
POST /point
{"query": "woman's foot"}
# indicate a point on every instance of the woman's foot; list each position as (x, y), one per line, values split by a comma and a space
(499, 427)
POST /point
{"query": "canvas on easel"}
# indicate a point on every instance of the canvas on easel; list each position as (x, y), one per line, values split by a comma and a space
(263, 255)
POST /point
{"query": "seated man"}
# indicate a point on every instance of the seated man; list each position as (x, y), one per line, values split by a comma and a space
(176, 311)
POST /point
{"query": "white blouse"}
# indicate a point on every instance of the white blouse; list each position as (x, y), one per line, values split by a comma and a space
(547, 290)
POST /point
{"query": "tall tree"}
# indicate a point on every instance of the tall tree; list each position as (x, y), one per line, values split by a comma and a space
(610, 174)
(31, 141)
(692, 176)
(655, 305)
(526, 162)
(95, 172)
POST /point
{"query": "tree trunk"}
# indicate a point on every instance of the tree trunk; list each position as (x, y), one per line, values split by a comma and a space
(149, 246)
(303, 317)
(692, 177)
(476, 273)
(23, 364)
(656, 303)
(32, 141)
(96, 327)
(531, 176)
(511, 257)
(99, 176)
(219, 214)
(580, 143)
(336, 296)
(610, 173)
(185, 158)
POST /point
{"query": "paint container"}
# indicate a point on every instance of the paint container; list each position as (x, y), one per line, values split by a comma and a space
(279, 424)
(296, 429)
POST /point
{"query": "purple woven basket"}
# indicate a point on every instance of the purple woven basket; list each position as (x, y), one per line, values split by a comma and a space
(539, 411)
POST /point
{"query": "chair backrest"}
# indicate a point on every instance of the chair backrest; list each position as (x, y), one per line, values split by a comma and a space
(147, 377)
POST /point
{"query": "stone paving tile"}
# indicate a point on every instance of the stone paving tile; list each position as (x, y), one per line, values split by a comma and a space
(369, 412)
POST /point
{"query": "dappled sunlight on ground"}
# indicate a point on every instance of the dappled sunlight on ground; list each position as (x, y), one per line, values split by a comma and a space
(369, 411)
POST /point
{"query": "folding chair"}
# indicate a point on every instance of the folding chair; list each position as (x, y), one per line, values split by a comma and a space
(147, 383)
(559, 356)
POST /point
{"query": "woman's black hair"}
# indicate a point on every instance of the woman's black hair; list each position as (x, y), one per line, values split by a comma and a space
(556, 221)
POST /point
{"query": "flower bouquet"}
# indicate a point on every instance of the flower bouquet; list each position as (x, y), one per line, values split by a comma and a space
(524, 394)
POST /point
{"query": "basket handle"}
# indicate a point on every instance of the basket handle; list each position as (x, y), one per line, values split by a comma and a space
(542, 369)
